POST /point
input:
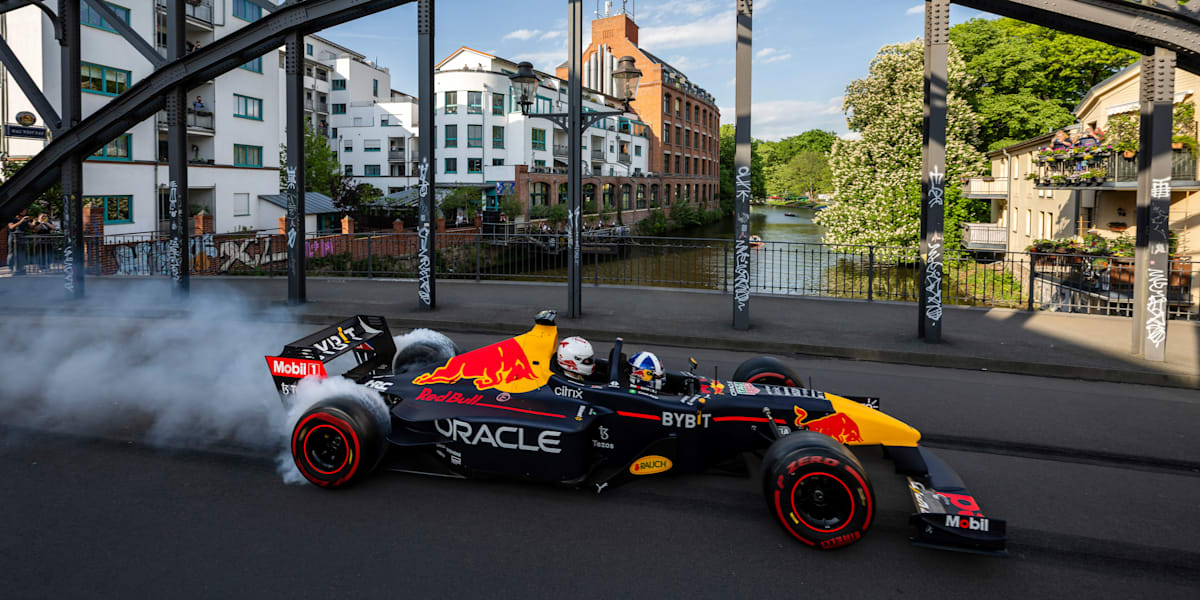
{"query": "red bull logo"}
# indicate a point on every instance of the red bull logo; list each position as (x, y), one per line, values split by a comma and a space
(490, 366)
(837, 426)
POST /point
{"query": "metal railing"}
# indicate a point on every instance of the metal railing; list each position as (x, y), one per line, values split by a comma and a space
(396, 155)
(194, 120)
(1113, 167)
(984, 236)
(598, 153)
(201, 10)
(611, 256)
(560, 149)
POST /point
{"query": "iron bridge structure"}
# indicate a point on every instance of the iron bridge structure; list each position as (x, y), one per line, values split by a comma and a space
(1164, 32)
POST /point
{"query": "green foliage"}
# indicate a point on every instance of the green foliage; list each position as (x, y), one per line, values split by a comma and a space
(589, 207)
(1124, 130)
(509, 205)
(50, 201)
(322, 172)
(806, 174)
(540, 211)
(654, 224)
(557, 214)
(1031, 77)
(757, 177)
(464, 198)
(777, 158)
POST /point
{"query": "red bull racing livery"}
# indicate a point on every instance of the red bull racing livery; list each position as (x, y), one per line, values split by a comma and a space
(503, 410)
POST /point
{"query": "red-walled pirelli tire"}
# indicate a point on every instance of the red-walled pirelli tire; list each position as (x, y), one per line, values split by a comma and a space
(336, 442)
(768, 370)
(817, 490)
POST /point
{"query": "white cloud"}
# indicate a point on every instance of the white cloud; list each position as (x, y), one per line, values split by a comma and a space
(765, 52)
(777, 119)
(549, 35)
(522, 34)
(918, 9)
(687, 63)
(767, 56)
(543, 61)
(713, 29)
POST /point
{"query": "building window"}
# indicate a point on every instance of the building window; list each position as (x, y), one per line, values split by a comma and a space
(338, 84)
(348, 145)
(247, 156)
(91, 18)
(451, 136)
(1086, 218)
(254, 65)
(667, 162)
(241, 204)
(308, 71)
(666, 133)
(339, 109)
(539, 163)
(370, 170)
(678, 135)
(333, 132)
(308, 49)
(451, 103)
(119, 149)
(641, 195)
(539, 194)
(474, 165)
(107, 81)
(497, 104)
(474, 136)
(654, 196)
(543, 105)
(348, 170)
(1028, 221)
(475, 103)
(1014, 220)
(383, 121)
(247, 11)
(374, 87)
(666, 103)
(539, 139)
(677, 164)
(372, 145)
(322, 75)
(497, 136)
(637, 150)
(497, 162)
(117, 209)
(247, 107)
(451, 165)
(678, 106)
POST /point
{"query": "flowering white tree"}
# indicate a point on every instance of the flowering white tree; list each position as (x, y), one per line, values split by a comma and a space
(877, 179)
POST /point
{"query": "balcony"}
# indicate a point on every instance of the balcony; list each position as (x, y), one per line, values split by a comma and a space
(1108, 170)
(597, 153)
(984, 236)
(624, 158)
(560, 149)
(196, 123)
(986, 188)
(397, 155)
(199, 10)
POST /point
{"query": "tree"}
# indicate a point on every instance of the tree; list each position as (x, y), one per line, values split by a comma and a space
(777, 155)
(806, 174)
(757, 180)
(50, 201)
(877, 179)
(1029, 77)
(350, 198)
(465, 198)
(322, 172)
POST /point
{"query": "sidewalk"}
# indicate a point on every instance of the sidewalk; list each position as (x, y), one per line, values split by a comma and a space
(1040, 343)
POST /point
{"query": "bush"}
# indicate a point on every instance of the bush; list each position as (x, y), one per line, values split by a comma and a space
(654, 224)
(539, 212)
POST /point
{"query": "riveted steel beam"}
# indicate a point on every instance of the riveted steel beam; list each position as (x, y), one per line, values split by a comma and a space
(40, 103)
(293, 93)
(741, 165)
(427, 204)
(70, 166)
(933, 175)
(178, 207)
(147, 96)
(127, 32)
(574, 127)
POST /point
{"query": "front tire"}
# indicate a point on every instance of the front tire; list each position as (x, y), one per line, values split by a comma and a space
(817, 490)
(767, 370)
(336, 442)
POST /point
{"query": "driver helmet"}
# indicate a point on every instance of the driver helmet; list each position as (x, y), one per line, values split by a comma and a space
(575, 357)
(647, 372)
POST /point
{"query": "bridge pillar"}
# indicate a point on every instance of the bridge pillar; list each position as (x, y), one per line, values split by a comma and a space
(178, 208)
(741, 166)
(933, 170)
(574, 160)
(1151, 254)
(72, 169)
(426, 250)
(293, 90)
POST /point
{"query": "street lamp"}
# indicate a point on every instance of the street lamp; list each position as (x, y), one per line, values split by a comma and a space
(627, 76)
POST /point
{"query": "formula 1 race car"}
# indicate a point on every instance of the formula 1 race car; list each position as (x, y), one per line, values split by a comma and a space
(503, 410)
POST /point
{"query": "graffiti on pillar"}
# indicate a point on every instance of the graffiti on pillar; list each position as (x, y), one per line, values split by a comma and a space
(936, 189)
(933, 280)
(1160, 189)
(423, 178)
(174, 255)
(573, 235)
(741, 249)
(293, 200)
(68, 246)
(423, 262)
(1156, 307)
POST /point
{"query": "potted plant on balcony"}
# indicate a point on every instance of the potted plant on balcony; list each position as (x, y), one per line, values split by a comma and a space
(1099, 175)
(1117, 226)
(1094, 244)
(1123, 132)
(1031, 176)
(1180, 142)
(1087, 178)
(1058, 179)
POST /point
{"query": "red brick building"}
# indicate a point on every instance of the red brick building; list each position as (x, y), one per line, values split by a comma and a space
(683, 117)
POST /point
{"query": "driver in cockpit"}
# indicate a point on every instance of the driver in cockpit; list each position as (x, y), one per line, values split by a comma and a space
(576, 359)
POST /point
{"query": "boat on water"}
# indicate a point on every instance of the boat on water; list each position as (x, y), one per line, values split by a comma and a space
(789, 214)
(756, 242)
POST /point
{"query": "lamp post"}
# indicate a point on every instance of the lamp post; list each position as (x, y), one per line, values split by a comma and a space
(575, 122)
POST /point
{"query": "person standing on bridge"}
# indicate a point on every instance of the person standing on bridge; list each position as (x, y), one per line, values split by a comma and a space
(16, 241)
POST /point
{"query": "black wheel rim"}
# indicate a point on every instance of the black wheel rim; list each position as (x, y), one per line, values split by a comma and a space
(822, 502)
(325, 448)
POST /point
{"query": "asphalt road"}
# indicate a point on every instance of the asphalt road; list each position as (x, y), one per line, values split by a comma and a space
(1097, 481)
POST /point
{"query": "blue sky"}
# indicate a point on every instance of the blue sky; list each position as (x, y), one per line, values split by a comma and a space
(806, 51)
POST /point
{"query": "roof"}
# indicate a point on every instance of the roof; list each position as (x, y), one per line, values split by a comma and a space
(315, 203)
(336, 45)
(459, 51)
(1033, 141)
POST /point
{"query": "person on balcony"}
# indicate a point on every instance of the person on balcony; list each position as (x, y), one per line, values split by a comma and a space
(1061, 142)
(198, 105)
(1088, 138)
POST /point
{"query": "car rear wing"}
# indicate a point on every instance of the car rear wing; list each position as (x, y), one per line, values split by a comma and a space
(946, 515)
(368, 337)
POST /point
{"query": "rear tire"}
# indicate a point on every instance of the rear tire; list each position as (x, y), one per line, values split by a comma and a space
(817, 490)
(767, 370)
(336, 442)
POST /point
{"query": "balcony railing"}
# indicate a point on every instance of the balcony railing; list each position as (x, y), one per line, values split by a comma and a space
(194, 121)
(201, 10)
(984, 236)
(985, 187)
(624, 157)
(560, 149)
(597, 154)
(396, 155)
(1105, 169)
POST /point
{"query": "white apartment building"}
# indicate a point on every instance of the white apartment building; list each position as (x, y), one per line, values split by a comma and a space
(481, 133)
(233, 121)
